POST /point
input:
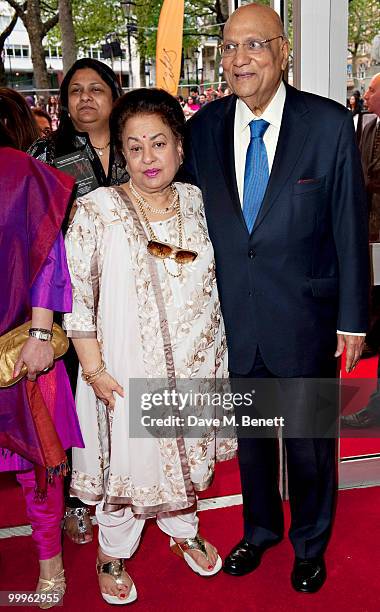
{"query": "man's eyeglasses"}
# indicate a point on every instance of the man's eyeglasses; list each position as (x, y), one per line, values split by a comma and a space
(162, 250)
(254, 47)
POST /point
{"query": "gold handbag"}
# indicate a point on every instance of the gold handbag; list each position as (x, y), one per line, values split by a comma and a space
(11, 344)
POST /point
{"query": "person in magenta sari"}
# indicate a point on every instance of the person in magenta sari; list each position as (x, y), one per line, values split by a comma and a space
(37, 415)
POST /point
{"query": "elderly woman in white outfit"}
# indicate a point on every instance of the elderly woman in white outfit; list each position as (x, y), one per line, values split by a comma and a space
(145, 307)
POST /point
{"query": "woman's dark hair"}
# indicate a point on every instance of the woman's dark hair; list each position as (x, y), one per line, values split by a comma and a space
(357, 107)
(19, 128)
(105, 73)
(146, 101)
(6, 139)
(39, 112)
(64, 134)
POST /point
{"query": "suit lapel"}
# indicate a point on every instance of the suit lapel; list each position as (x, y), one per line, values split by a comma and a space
(224, 146)
(292, 137)
(372, 136)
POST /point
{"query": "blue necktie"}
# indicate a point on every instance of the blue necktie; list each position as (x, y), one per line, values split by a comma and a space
(256, 173)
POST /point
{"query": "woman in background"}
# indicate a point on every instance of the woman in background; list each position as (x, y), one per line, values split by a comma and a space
(190, 107)
(86, 97)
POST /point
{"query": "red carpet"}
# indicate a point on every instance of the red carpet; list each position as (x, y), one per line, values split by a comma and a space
(165, 584)
(352, 447)
(12, 513)
(12, 505)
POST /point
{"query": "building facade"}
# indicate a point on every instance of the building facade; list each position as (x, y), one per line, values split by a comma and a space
(18, 62)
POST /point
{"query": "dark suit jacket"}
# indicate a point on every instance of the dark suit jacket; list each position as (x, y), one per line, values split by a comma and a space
(366, 147)
(303, 272)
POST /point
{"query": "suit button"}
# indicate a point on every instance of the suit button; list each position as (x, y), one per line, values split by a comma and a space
(251, 253)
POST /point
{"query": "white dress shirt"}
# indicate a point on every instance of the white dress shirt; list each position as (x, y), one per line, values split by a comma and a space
(242, 132)
(242, 137)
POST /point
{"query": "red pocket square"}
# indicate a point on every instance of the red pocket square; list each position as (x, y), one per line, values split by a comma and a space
(306, 180)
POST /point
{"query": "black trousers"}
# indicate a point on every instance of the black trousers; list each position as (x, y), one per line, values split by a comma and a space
(71, 363)
(312, 481)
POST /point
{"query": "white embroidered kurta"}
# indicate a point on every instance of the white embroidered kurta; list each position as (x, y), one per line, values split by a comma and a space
(113, 300)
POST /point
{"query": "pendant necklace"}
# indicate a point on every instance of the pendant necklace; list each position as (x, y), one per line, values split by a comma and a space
(176, 206)
(100, 150)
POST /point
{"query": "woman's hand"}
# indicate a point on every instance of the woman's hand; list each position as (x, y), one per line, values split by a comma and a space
(104, 388)
(36, 355)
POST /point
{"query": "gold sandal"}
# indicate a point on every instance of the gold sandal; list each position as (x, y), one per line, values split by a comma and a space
(54, 589)
(83, 524)
(197, 543)
(115, 568)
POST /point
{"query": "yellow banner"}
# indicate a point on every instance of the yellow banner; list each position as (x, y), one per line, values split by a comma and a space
(169, 45)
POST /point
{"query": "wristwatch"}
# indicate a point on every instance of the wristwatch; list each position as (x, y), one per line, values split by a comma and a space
(40, 334)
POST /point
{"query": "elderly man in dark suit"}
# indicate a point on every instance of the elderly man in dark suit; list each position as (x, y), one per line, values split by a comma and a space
(370, 154)
(285, 203)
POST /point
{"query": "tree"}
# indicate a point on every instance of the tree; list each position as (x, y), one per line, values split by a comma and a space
(38, 18)
(3, 37)
(93, 21)
(363, 25)
(66, 25)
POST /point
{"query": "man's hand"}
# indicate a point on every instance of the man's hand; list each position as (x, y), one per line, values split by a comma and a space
(354, 347)
(36, 355)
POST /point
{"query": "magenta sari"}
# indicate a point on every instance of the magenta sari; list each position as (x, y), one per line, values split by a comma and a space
(37, 420)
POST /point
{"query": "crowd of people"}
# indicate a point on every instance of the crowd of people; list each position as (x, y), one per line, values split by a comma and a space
(196, 100)
(163, 260)
(47, 114)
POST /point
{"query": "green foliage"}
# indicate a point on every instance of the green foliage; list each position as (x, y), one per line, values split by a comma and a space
(146, 15)
(93, 20)
(363, 22)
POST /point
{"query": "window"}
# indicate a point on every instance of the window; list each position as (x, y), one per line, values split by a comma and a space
(209, 52)
(95, 53)
(25, 51)
(10, 51)
(362, 71)
(17, 50)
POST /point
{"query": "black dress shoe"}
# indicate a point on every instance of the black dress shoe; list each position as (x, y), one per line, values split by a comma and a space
(361, 419)
(243, 558)
(308, 575)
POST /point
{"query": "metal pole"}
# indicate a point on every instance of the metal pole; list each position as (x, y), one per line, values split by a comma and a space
(10, 69)
(188, 77)
(129, 56)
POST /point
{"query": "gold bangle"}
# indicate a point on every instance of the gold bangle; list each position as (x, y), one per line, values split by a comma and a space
(90, 377)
